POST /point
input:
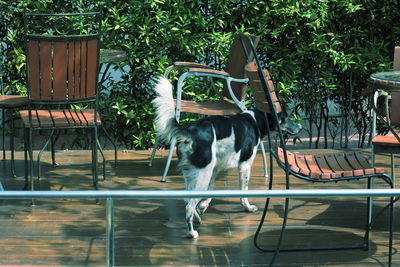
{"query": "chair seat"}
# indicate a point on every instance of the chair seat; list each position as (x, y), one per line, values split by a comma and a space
(386, 143)
(13, 101)
(330, 167)
(388, 139)
(220, 107)
(60, 118)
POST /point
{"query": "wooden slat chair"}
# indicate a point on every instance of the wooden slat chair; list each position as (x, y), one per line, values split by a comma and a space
(233, 94)
(62, 70)
(9, 103)
(326, 168)
(390, 143)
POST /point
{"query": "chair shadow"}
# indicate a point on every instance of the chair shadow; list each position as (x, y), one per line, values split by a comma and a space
(311, 238)
(341, 213)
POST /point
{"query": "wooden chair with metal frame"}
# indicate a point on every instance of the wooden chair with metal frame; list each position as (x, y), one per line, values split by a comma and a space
(325, 168)
(62, 70)
(233, 94)
(390, 142)
(9, 103)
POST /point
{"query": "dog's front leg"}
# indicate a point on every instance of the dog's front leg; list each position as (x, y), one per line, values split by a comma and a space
(244, 174)
(204, 203)
(190, 212)
(195, 179)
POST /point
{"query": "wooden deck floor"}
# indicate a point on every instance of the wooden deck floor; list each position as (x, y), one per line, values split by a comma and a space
(152, 232)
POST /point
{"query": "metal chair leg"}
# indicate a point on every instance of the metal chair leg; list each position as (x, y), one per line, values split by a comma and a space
(41, 152)
(169, 159)
(369, 217)
(3, 124)
(11, 140)
(26, 159)
(114, 145)
(12, 147)
(104, 159)
(393, 169)
(264, 159)
(30, 153)
(153, 153)
(94, 158)
(53, 152)
(391, 226)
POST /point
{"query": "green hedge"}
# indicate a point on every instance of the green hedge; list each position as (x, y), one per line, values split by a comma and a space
(319, 52)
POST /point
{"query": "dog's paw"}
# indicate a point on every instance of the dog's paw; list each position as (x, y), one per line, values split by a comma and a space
(193, 234)
(251, 208)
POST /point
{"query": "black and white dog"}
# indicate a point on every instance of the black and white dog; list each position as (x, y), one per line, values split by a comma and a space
(211, 145)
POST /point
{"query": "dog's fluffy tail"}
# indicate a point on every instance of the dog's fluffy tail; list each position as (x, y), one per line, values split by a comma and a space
(167, 126)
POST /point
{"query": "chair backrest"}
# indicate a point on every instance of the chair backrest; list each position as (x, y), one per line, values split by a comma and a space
(396, 58)
(395, 109)
(236, 62)
(1, 70)
(62, 67)
(395, 96)
(1, 79)
(266, 100)
(260, 100)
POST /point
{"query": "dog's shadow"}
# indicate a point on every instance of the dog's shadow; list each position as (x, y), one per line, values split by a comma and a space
(147, 228)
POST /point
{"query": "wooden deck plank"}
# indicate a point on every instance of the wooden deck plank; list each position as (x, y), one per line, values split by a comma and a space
(152, 232)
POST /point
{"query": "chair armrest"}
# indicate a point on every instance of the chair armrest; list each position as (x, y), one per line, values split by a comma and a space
(377, 94)
(199, 72)
(222, 75)
(208, 71)
(184, 64)
(385, 118)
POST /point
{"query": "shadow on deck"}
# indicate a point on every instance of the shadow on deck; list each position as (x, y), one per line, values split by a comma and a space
(152, 232)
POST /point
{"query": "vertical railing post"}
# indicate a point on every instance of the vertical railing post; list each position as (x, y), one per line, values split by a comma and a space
(110, 232)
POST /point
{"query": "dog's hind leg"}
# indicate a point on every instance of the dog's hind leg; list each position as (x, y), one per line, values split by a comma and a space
(244, 173)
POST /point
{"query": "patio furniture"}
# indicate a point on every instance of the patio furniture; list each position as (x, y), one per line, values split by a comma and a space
(9, 103)
(323, 168)
(107, 56)
(387, 84)
(233, 94)
(62, 79)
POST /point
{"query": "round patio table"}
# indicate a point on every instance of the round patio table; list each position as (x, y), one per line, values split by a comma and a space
(384, 83)
(109, 57)
(112, 56)
(387, 80)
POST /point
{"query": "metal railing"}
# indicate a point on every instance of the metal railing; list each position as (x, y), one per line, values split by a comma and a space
(181, 194)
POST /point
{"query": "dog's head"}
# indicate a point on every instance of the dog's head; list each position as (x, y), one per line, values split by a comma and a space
(287, 126)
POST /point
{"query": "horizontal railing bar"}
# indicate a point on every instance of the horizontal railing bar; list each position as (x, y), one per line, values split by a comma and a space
(170, 194)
